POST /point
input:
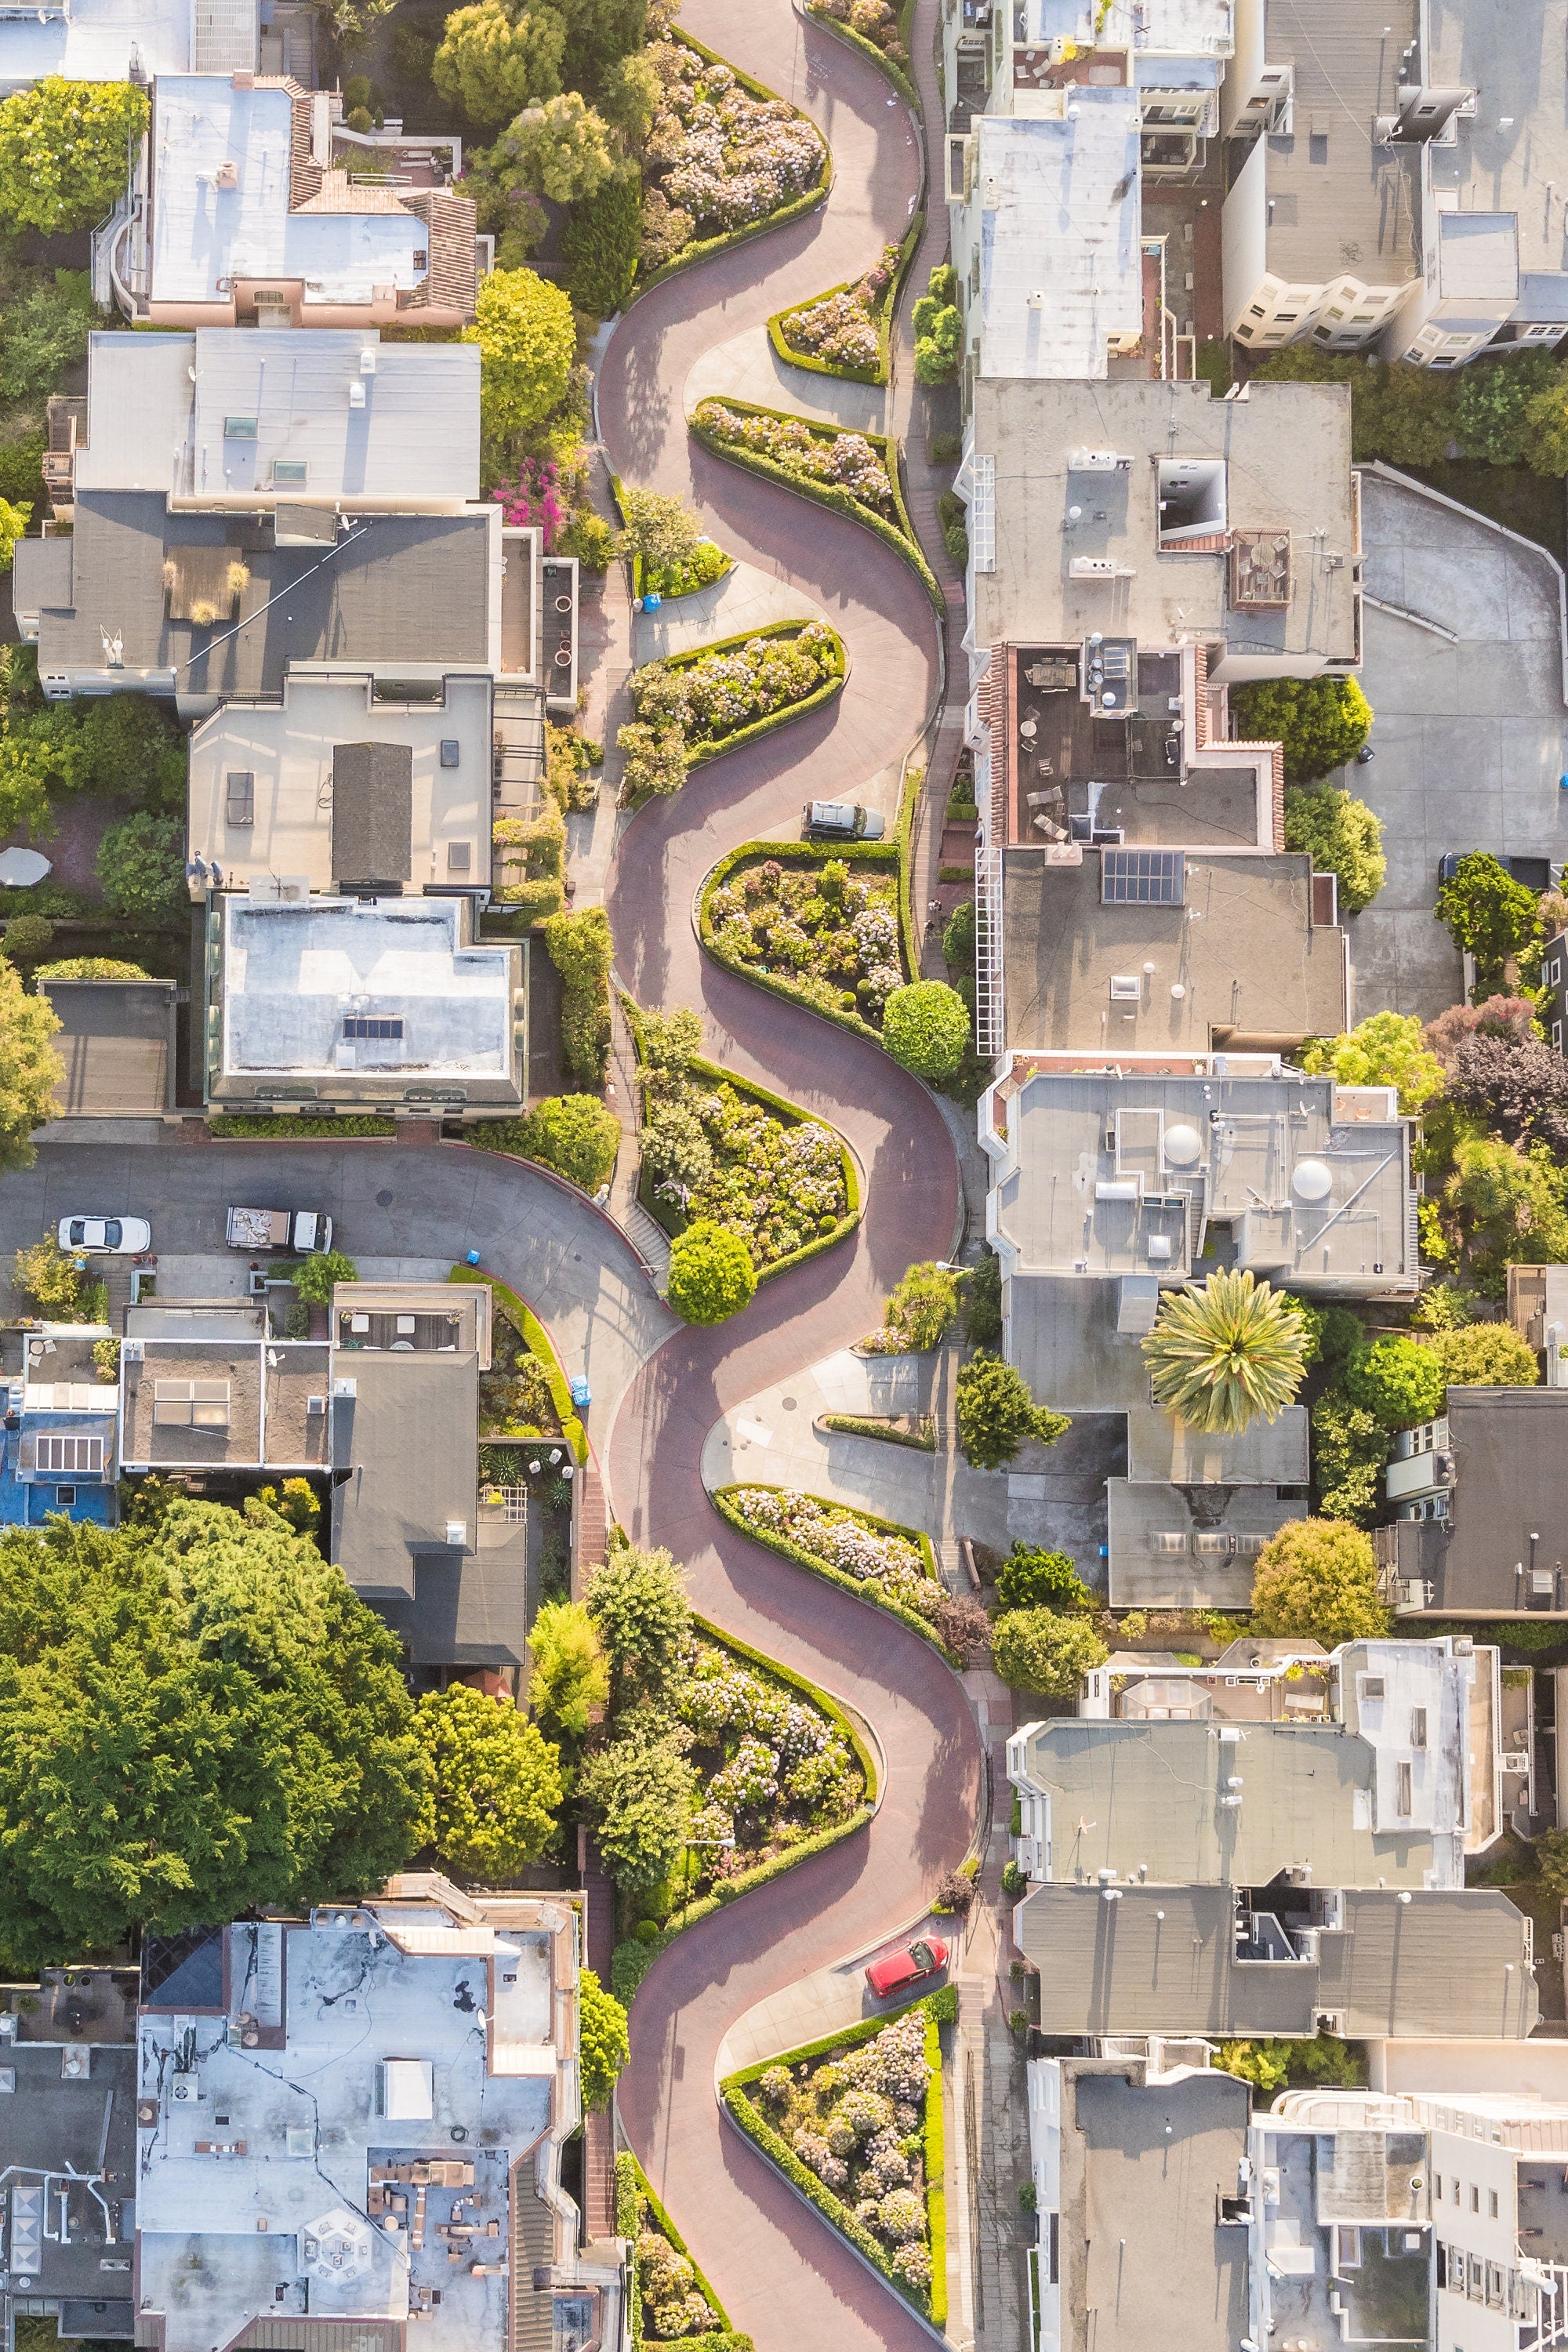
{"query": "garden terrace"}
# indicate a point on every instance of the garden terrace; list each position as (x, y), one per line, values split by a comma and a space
(726, 693)
(824, 927)
(724, 155)
(892, 1567)
(781, 1180)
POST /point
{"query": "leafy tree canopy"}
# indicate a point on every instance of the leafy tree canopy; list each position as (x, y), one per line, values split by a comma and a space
(638, 1607)
(1317, 1578)
(142, 868)
(571, 1682)
(30, 1068)
(317, 1277)
(1350, 1448)
(1035, 1650)
(1399, 1381)
(562, 148)
(996, 1414)
(1488, 912)
(1386, 1049)
(1034, 1579)
(1322, 722)
(600, 246)
(1342, 837)
(922, 1306)
(604, 2045)
(494, 1783)
(1485, 1355)
(576, 1135)
(65, 149)
(662, 530)
(925, 1027)
(527, 341)
(1520, 1089)
(1512, 1198)
(638, 1794)
(711, 1276)
(492, 62)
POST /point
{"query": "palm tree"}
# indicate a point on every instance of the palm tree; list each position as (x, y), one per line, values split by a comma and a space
(1221, 1355)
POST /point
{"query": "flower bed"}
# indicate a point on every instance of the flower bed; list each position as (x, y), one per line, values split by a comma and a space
(718, 695)
(824, 927)
(917, 1430)
(707, 563)
(670, 2300)
(540, 1346)
(856, 474)
(716, 1147)
(856, 2125)
(877, 27)
(723, 154)
(891, 1566)
(839, 331)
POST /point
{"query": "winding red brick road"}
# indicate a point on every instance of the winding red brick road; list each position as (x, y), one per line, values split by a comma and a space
(783, 2274)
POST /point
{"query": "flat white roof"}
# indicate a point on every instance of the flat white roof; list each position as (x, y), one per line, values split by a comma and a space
(294, 972)
(95, 40)
(1061, 263)
(1178, 29)
(202, 233)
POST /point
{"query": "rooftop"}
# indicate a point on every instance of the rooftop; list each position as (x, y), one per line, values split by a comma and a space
(1061, 267)
(229, 414)
(1178, 1960)
(1253, 968)
(71, 2110)
(227, 1404)
(117, 1043)
(1506, 1481)
(1357, 2180)
(1506, 161)
(1283, 456)
(97, 40)
(1340, 204)
(361, 596)
(264, 778)
(237, 195)
(381, 990)
(1175, 28)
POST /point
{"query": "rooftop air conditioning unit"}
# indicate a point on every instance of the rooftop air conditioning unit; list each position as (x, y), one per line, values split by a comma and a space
(1096, 461)
(346, 1388)
(356, 393)
(185, 2090)
(132, 1351)
(367, 358)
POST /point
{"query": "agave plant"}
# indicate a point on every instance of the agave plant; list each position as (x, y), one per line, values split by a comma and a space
(1223, 1353)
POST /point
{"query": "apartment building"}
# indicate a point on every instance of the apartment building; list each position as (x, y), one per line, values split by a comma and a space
(1477, 1496)
(1118, 1173)
(135, 40)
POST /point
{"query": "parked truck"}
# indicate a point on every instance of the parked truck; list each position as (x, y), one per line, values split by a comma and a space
(305, 1230)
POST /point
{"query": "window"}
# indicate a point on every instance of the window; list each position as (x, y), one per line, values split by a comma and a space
(1286, 317)
(65, 1497)
(1406, 1797)
(239, 796)
(364, 1024)
(1475, 2198)
(83, 1454)
(459, 856)
(1418, 1726)
(451, 751)
(1491, 2203)
(1554, 971)
(239, 428)
(1557, 1035)
(1437, 2187)
(1258, 311)
(421, 257)
(190, 1404)
(1336, 314)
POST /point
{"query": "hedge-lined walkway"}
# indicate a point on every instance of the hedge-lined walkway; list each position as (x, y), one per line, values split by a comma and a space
(784, 2275)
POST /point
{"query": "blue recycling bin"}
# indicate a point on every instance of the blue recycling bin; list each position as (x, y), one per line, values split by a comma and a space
(471, 1257)
(581, 1394)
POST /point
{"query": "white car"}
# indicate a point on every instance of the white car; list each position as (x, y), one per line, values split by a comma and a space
(118, 1236)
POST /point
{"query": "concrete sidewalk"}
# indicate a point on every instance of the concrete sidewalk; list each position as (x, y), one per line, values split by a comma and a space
(748, 368)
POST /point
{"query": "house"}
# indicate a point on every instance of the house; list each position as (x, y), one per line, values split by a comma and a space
(249, 204)
(117, 1043)
(1322, 225)
(443, 1561)
(1538, 1310)
(1117, 1172)
(207, 1400)
(68, 2083)
(377, 1002)
(61, 1454)
(362, 2122)
(136, 40)
(1200, 1871)
(1554, 979)
(1138, 2166)
(1478, 1497)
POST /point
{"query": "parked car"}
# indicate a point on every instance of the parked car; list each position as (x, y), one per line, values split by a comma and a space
(116, 1237)
(1535, 872)
(305, 1230)
(843, 820)
(895, 1969)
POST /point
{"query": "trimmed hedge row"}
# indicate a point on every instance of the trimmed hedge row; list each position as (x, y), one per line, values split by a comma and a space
(283, 1127)
(864, 1588)
(793, 1116)
(899, 537)
(854, 1424)
(885, 309)
(797, 853)
(539, 1341)
(733, 2089)
(631, 1959)
(895, 74)
(698, 752)
(631, 2184)
(903, 841)
(808, 200)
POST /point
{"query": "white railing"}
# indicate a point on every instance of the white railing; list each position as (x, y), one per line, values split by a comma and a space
(990, 1023)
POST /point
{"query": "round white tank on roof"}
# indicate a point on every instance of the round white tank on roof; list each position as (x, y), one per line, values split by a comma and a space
(1312, 1180)
(1184, 1147)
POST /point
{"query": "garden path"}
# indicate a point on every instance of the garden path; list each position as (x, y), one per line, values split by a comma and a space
(784, 2275)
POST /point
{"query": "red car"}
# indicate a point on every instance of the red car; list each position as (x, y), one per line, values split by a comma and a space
(907, 1967)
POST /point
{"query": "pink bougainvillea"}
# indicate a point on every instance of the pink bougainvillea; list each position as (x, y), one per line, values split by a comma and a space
(533, 499)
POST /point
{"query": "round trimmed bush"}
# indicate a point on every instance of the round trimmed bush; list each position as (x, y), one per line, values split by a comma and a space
(711, 1276)
(29, 937)
(925, 1027)
(1486, 1355)
(1399, 1381)
(1318, 1578)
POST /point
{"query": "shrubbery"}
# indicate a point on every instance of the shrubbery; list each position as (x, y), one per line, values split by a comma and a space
(1322, 722)
(580, 948)
(1037, 1649)
(711, 1276)
(829, 933)
(996, 1414)
(717, 159)
(1342, 837)
(576, 1135)
(925, 1027)
(1317, 1577)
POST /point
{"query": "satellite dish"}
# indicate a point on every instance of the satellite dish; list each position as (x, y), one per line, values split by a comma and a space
(1312, 1180)
(1184, 1147)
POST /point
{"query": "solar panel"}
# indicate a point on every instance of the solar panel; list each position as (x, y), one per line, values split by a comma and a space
(1142, 877)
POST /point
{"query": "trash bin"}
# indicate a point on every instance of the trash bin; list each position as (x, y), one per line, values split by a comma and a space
(581, 1394)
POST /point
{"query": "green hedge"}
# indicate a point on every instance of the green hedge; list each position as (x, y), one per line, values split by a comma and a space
(808, 200)
(884, 312)
(283, 1127)
(698, 752)
(632, 2185)
(543, 1346)
(903, 841)
(895, 74)
(853, 1424)
(793, 1116)
(799, 853)
(864, 1588)
(899, 537)
(755, 2125)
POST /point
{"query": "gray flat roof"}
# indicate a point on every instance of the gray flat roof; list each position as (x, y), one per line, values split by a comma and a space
(1510, 1452)
(1340, 204)
(1449, 1963)
(391, 579)
(1253, 967)
(373, 812)
(117, 1043)
(1213, 1569)
(1287, 453)
(54, 2123)
(1509, 155)
(265, 1389)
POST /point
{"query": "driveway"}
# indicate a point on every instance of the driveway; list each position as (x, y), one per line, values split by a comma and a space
(1469, 734)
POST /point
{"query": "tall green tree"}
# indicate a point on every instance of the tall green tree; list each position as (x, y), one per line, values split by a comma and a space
(638, 1794)
(494, 1783)
(638, 1605)
(1490, 914)
(1320, 722)
(1223, 1353)
(562, 147)
(604, 2045)
(526, 342)
(30, 1069)
(66, 149)
(493, 60)
(1037, 1649)
(997, 1415)
(571, 1682)
(1317, 1577)
(1344, 837)
(1386, 1049)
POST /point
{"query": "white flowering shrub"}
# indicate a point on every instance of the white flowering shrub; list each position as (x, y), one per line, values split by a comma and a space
(893, 2062)
(716, 158)
(845, 461)
(864, 2112)
(841, 327)
(775, 2087)
(875, 20)
(832, 1532)
(912, 2261)
(748, 1780)
(711, 697)
(900, 2216)
(774, 1184)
